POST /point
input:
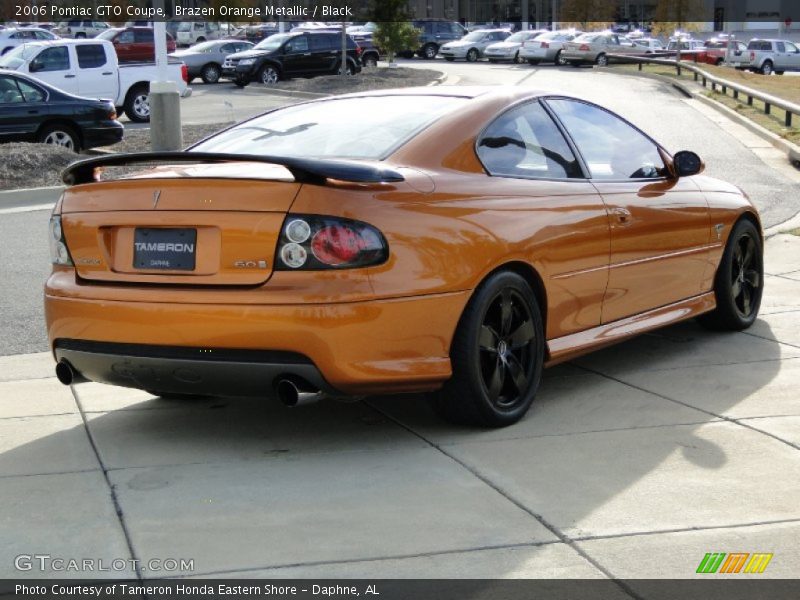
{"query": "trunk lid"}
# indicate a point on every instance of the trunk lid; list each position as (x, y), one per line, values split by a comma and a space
(174, 226)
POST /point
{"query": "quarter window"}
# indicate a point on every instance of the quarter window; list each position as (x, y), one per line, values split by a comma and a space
(9, 93)
(30, 92)
(612, 148)
(525, 142)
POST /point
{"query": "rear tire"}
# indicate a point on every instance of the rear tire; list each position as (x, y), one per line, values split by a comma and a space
(738, 284)
(137, 104)
(211, 73)
(497, 355)
(429, 51)
(559, 59)
(601, 60)
(60, 135)
(766, 68)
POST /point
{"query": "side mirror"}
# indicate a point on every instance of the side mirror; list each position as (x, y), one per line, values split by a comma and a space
(35, 66)
(687, 163)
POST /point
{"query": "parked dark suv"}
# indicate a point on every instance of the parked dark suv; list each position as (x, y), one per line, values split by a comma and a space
(286, 55)
(433, 34)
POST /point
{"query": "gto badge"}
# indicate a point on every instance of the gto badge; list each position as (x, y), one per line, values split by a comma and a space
(718, 228)
(88, 261)
(250, 264)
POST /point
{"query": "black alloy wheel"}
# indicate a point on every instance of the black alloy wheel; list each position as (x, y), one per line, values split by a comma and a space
(496, 354)
(739, 282)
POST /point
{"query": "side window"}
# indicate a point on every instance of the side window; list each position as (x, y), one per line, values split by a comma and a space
(125, 37)
(525, 142)
(54, 59)
(456, 29)
(199, 27)
(321, 42)
(9, 93)
(443, 28)
(143, 36)
(612, 148)
(300, 44)
(227, 49)
(781, 47)
(790, 47)
(31, 92)
(91, 56)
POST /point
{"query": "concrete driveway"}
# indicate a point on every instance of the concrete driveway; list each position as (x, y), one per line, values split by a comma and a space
(633, 463)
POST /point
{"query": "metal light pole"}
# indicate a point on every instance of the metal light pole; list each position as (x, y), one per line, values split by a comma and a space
(165, 101)
(344, 49)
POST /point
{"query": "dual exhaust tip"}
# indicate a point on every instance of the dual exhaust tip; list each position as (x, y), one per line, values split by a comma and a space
(288, 392)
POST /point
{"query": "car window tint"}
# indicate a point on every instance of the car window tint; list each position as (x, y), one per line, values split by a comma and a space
(525, 142)
(365, 127)
(612, 148)
(30, 92)
(321, 42)
(143, 36)
(126, 37)
(54, 59)
(298, 44)
(91, 56)
(781, 47)
(9, 92)
(227, 49)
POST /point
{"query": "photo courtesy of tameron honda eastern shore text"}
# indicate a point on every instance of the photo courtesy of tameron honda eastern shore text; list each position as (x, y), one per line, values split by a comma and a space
(450, 241)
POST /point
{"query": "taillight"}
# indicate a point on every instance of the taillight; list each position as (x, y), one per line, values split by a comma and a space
(545, 45)
(312, 243)
(584, 48)
(185, 73)
(752, 56)
(359, 50)
(59, 254)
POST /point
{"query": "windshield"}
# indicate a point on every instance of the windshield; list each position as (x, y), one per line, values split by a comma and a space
(107, 34)
(365, 127)
(474, 36)
(204, 47)
(18, 56)
(518, 37)
(273, 42)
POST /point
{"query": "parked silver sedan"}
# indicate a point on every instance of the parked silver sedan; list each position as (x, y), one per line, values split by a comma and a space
(547, 47)
(205, 59)
(472, 46)
(596, 48)
(509, 48)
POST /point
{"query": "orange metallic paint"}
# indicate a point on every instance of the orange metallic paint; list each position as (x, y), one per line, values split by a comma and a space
(388, 328)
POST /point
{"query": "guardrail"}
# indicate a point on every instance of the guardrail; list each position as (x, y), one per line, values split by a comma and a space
(738, 90)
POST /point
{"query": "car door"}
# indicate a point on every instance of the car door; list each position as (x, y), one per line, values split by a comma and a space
(660, 231)
(324, 51)
(54, 65)
(18, 119)
(96, 75)
(144, 44)
(554, 216)
(792, 57)
(297, 56)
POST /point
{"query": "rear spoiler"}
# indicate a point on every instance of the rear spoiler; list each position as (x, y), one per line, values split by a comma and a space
(304, 170)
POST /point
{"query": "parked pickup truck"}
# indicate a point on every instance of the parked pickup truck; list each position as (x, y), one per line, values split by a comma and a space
(770, 56)
(89, 68)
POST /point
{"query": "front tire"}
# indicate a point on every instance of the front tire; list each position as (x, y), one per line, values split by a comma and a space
(601, 60)
(268, 75)
(738, 284)
(497, 355)
(137, 104)
(472, 55)
(559, 59)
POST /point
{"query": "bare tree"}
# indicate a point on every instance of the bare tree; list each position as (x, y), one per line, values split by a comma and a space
(587, 15)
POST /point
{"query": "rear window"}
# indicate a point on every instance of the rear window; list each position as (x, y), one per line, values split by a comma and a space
(366, 127)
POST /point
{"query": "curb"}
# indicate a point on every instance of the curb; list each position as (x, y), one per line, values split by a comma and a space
(439, 80)
(295, 93)
(791, 150)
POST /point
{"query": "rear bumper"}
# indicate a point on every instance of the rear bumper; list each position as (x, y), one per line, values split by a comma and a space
(202, 371)
(109, 133)
(378, 346)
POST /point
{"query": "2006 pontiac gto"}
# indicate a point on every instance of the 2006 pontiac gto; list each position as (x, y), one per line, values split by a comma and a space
(451, 241)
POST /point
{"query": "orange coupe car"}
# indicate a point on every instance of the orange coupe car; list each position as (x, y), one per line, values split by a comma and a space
(446, 240)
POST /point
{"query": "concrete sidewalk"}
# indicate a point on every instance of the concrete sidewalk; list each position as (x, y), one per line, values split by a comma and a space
(633, 463)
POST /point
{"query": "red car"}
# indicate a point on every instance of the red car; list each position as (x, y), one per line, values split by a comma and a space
(716, 50)
(135, 44)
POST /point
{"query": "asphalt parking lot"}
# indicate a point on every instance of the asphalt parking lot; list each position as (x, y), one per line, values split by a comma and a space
(633, 463)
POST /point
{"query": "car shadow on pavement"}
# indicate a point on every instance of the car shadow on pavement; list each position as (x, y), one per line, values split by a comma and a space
(643, 437)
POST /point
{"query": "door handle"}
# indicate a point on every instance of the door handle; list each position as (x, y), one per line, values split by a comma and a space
(108, 73)
(69, 76)
(33, 112)
(307, 54)
(622, 215)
